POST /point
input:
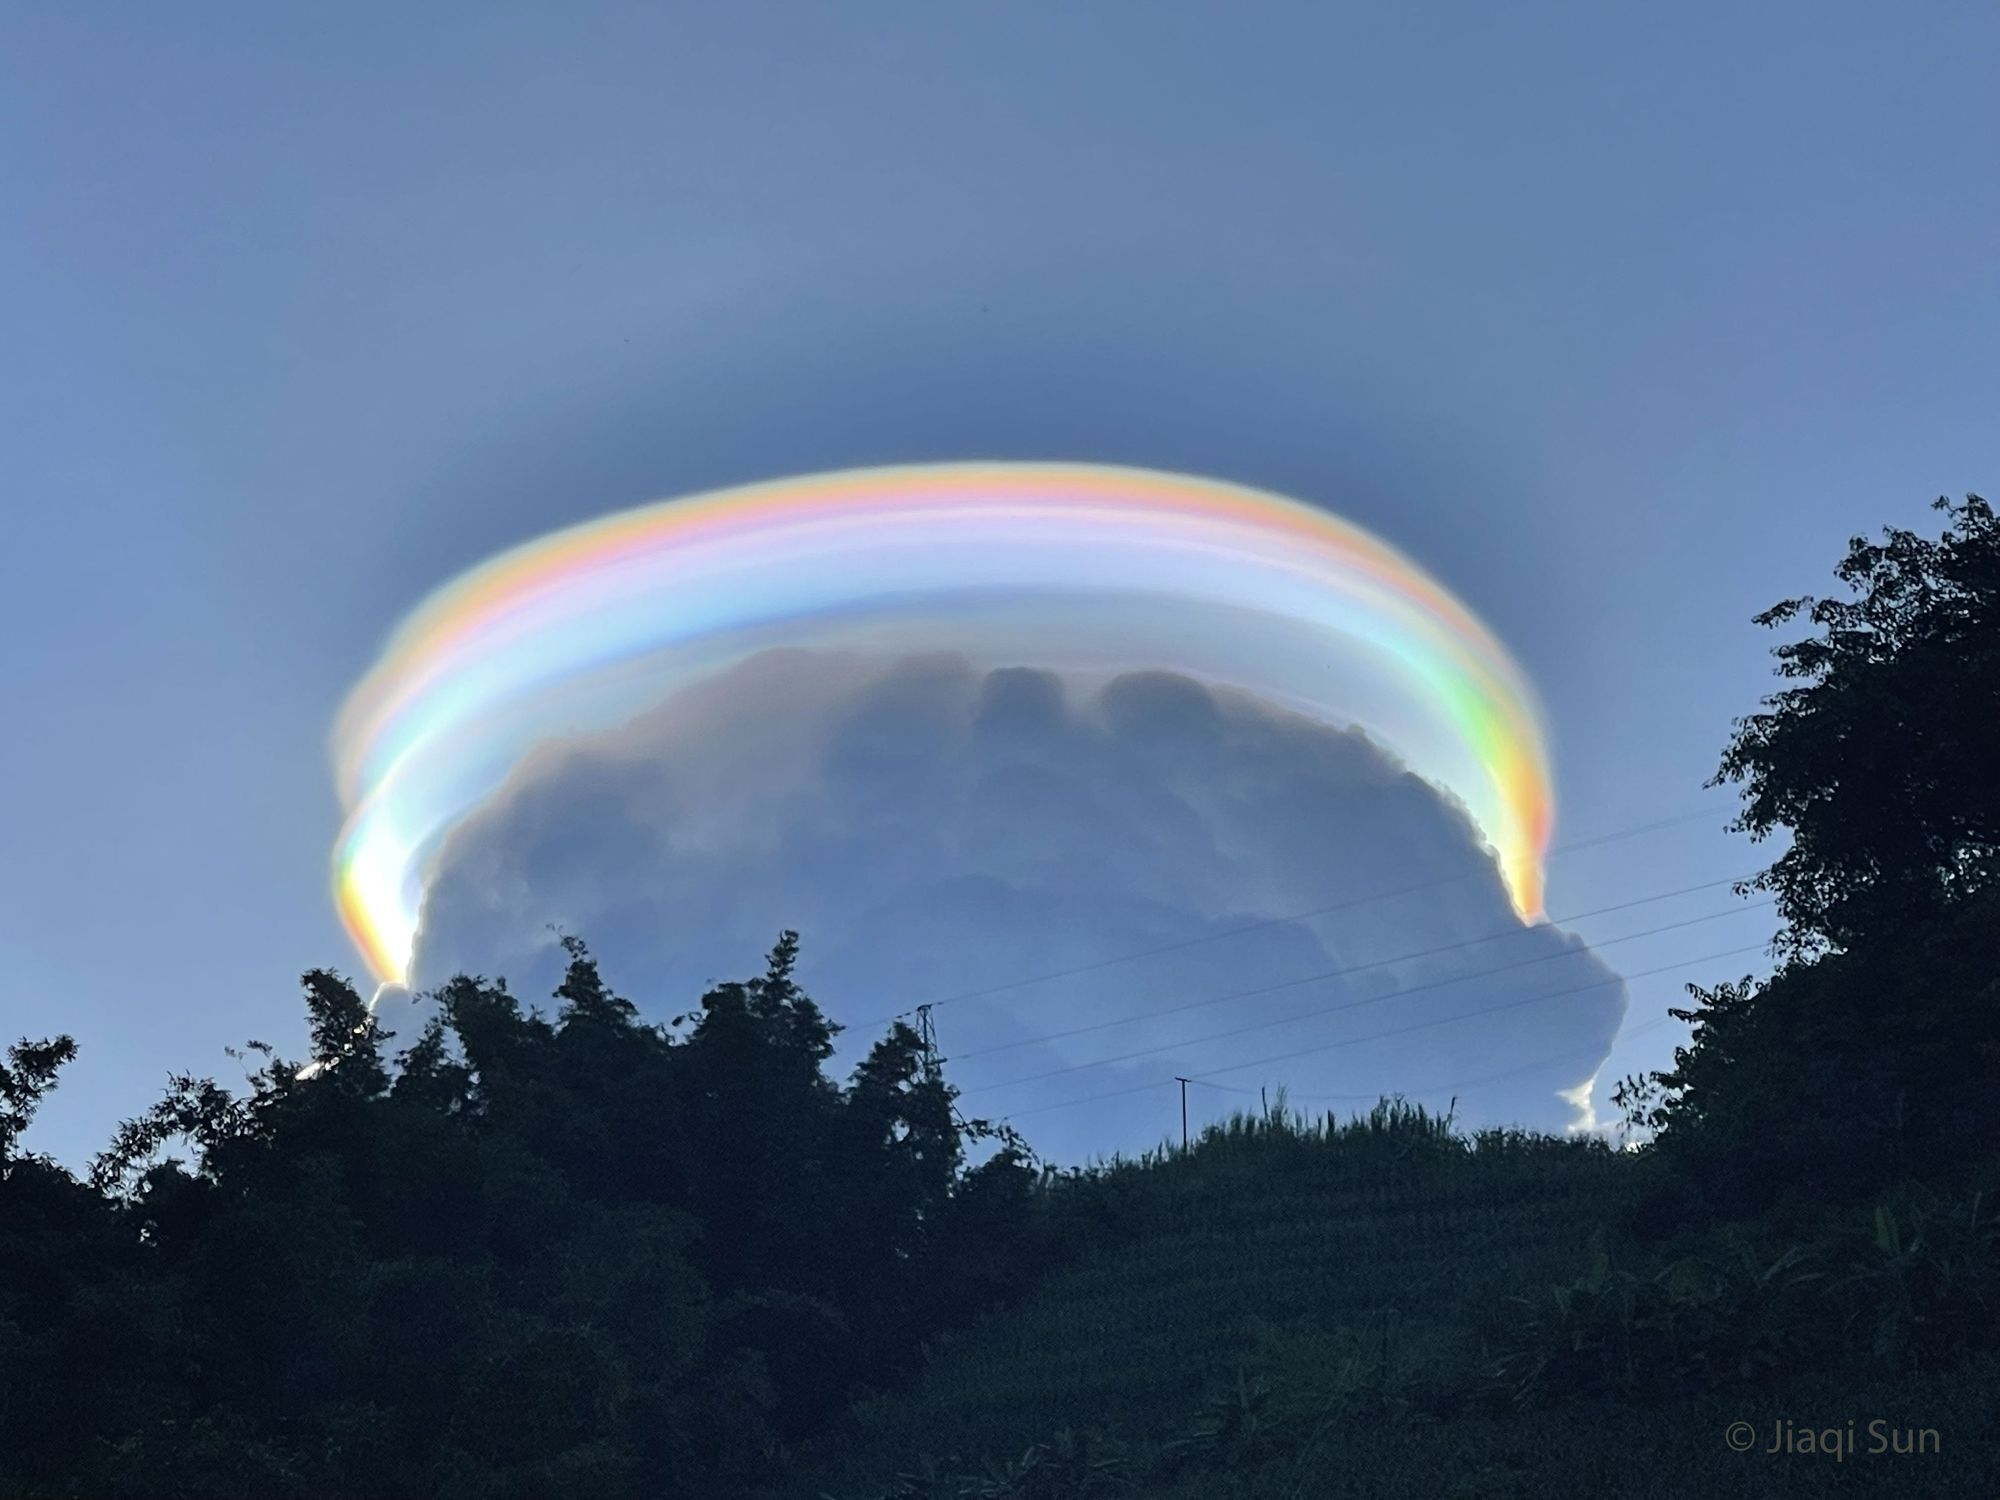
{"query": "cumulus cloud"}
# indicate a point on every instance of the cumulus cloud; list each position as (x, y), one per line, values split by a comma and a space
(934, 829)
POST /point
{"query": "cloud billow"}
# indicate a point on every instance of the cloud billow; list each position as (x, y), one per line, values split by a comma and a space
(932, 828)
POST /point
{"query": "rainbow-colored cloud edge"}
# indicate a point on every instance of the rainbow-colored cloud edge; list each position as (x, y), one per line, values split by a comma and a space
(1065, 565)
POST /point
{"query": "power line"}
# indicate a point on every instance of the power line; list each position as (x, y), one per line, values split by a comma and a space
(1484, 867)
(1365, 1000)
(1140, 1088)
(1468, 1015)
(1174, 1010)
(1447, 1088)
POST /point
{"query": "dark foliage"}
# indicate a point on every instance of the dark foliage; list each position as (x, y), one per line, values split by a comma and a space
(1879, 763)
(537, 1255)
(1874, 1052)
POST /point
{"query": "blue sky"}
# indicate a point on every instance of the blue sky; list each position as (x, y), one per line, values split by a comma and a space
(1619, 319)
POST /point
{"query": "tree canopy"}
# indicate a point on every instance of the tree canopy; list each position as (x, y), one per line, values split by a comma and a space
(1879, 762)
(1874, 1051)
(532, 1254)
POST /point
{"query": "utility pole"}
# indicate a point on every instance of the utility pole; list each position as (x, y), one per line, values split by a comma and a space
(1183, 1082)
(933, 1065)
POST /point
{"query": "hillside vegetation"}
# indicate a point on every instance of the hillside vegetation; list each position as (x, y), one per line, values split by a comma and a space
(1383, 1242)
(581, 1254)
(1382, 1308)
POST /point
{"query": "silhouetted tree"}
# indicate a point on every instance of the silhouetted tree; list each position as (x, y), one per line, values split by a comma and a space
(25, 1079)
(345, 1038)
(1879, 765)
(1874, 1051)
(535, 1255)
